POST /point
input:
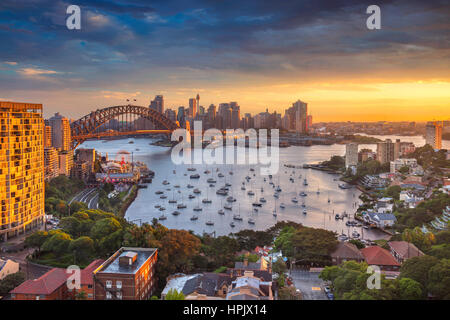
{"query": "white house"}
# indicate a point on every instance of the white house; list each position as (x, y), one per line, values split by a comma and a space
(8, 267)
(381, 220)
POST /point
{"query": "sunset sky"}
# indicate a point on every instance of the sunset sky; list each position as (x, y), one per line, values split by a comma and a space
(262, 54)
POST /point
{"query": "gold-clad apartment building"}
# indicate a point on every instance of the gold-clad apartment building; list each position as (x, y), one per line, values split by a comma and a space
(21, 168)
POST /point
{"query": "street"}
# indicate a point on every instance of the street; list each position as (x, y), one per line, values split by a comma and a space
(309, 284)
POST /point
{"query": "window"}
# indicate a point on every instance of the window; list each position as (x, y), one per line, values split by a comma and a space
(119, 295)
(90, 286)
(37, 297)
(119, 284)
(108, 283)
(108, 295)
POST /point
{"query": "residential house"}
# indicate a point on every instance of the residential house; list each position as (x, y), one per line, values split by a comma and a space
(346, 251)
(250, 287)
(403, 250)
(381, 220)
(50, 286)
(380, 257)
(87, 279)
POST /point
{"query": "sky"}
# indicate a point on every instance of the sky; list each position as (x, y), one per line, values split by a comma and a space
(262, 54)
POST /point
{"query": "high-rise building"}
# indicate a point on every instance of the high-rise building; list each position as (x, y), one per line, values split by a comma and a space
(21, 168)
(297, 117)
(351, 154)
(225, 115)
(65, 162)
(51, 163)
(385, 151)
(47, 136)
(433, 135)
(192, 108)
(181, 117)
(171, 114)
(157, 104)
(235, 116)
(61, 139)
(212, 116)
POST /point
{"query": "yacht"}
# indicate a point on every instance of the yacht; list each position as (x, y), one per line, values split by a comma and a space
(159, 192)
(194, 217)
(251, 221)
(176, 186)
(165, 182)
(251, 193)
(197, 191)
(305, 182)
(232, 224)
(243, 188)
(355, 234)
(191, 196)
(209, 223)
(221, 212)
(237, 217)
(172, 201)
(211, 180)
(191, 169)
(190, 186)
(220, 175)
(207, 201)
(176, 213)
(206, 172)
(294, 200)
(282, 206)
(303, 194)
(194, 176)
(304, 211)
(162, 217)
(278, 189)
(228, 207)
(262, 200)
(342, 237)
(163, 196)
(231, 199)
(181, 206)
(222, 192)
(257, 204)
(276, 195)
(197, 208)
(161, 209)
(157, 206)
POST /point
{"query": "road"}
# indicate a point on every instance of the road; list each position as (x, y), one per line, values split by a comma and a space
(309, 283)
(88, 196)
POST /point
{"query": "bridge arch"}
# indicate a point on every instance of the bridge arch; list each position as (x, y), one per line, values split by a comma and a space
(85, 127)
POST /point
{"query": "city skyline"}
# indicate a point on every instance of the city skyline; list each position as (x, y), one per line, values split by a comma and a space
(267, 56)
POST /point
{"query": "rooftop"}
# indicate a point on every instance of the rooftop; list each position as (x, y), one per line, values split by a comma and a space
(375, 255)
(405, 249)
(112, 265)
(44, 285)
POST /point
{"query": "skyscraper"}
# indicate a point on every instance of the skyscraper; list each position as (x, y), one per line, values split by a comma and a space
(192, 108)
(385, 151)
(60, 132)
(181, 117)
(351, 154)
(21, 168)
(433, 135)
(157, 104)
(171, 114)
(235, 115)
(47, 136)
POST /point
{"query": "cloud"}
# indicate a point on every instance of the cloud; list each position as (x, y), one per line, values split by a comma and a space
(118, 95)
(11, 63)
(36, 72)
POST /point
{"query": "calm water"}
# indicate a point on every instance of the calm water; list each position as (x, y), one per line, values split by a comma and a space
(320, 213)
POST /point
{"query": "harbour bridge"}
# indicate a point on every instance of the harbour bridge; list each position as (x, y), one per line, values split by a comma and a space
(120, 121)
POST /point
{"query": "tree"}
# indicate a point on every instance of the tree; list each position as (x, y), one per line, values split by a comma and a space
(279, 266)
(10, 282)
(417, 268)
(439, 279)
(289, 293)
(82, 248)
(57, 243)
(81, 295)
(76, 206)
(104, 227)
(36, 240)
(394, 192)
(173, 294)
(410, 289)
(357, 243)
(71, 225)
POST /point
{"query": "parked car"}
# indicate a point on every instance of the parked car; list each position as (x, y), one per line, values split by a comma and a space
(327, 289)
(330, 296)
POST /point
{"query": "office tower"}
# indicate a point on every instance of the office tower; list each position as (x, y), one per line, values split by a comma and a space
(351, 154)
(21, 168)
(51, 163)
(397, 149)
(308, 123)
(385, 151)
(181, 117)
(157, 104)
(47, 136)
(201, 110)
(61, 139)
(211, 115)
(235, 116)
(171, 114)
(192, 108)
(198, 103)
(366, 154)
(301, 110)
(433, 135)
(225, 115)
(65, 161)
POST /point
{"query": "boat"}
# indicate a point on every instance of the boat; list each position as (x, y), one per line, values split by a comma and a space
(211, 185)
(172, 201)
(231, 199)
(304, 211)
(194, 176)
(194, 217)
(197, 208)
(222, 192)
(251, 193)
(191, 169)
(227, 184)
(251, 169)
(257, 204)
(355, 234)
(190, 186)
(163, 196)
(207, 201)
(159, 192)
(262, 190)
(243, 188)
(209, 223)
(342, 237)
(181, 206)
(262, 200)
(221, 212)
(278, 189)
(157, 206)
(161, 209)
(197, 191)
(232, 224)
(165, 182)
(294, 200)
(176, 186)
(162, 217)
(130, 142)
(282, 205)
(251, 221)
(211, 180)
(206, 172)
(344, 186)
(228, 207)
(305, 182)
(176, 213)
(337, 216)
(220, 175)
(274, 213)
(276, 195)
(303, 194)
(237, 217)
(191, 196)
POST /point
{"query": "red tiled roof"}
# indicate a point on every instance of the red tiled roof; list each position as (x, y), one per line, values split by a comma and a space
(378, 256)
(46, 284)
(86, 273)
(405, 249)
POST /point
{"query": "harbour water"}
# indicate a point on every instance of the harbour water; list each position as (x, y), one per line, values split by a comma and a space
(321, 186)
